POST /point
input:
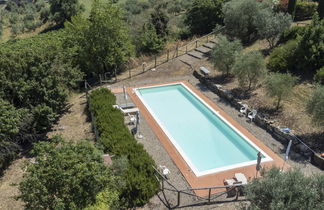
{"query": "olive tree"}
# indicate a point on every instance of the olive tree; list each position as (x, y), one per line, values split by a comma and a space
(249, 68)
(63, 10)
(271, 24)
(224, 53)
(286, 190)
(280, 86)
(315, 106)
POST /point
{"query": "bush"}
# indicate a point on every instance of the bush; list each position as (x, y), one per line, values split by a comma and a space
(291, 33)
(315, 106)
(286, 190)
(319, 76)
(65, 176)
(115, 137)
(305, 10)
(282, 59)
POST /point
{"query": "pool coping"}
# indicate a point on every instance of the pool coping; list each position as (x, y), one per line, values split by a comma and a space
(179, 148)
(214, 179)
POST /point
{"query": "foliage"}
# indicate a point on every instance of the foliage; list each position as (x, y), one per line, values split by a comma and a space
(305, 10)
(240, 17)
(280, 86)
(224, 53)
(292, 7)
(291, 33)
(282, 59)
(271, 24)
(115, 137)
(315, 106)
(319, 76)
(63, 10)
(203, 15)
(310, 51)
(286, 190)
(64, 176)
(249, 68)
(106, 199)
(36, 76)
(96, 51)
(159, 20)
(148, 42)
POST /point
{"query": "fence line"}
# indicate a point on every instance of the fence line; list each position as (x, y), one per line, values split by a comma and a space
(157, 60)
(210, 199)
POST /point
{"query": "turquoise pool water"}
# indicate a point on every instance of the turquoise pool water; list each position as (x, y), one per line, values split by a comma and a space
(207, 143)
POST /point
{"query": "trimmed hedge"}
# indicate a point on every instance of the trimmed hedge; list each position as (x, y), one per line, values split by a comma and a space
(116, 139)
(305, 10)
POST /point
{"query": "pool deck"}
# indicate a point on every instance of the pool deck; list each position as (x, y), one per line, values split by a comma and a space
(215, 179)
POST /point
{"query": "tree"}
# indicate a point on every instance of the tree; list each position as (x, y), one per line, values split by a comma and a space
(102, 43)
(292, 7)
(271, 24)
(286, 190)
(239, 19)
(10, 119)
(203, 15)
(320, 9)
(148, 42)
(224, 53)
(159, 20)
(315, 106)
(65, 175)
(280, 86)
(249, 68)
(63, 10)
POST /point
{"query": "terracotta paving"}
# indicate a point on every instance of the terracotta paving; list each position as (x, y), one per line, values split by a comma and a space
(215, 179)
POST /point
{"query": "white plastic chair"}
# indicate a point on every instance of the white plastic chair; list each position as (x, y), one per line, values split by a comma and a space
(244, 109)
(252, 114)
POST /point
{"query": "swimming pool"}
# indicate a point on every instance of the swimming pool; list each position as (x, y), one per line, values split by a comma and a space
(206, 141)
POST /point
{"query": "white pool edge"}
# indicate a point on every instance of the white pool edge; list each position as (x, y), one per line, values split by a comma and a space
(191, 165)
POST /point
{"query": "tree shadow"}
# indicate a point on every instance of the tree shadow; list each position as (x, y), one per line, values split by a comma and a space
(242, 94)
(52, 28)
(221, 79)
(269, 112)
(315, 140)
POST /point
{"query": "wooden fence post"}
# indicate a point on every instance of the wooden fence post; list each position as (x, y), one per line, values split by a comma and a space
(178, 204)
(209, 193)
(154, 61)
(196, 43)
(130, 73)
(167, 55)
(177, 52)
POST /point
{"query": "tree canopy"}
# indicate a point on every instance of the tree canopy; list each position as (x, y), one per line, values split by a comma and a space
(224, 53)
(286, 190)
(102, 42)
(249, 68)
(280, 86)
(203, 15)
(65, 176)
(63, 10)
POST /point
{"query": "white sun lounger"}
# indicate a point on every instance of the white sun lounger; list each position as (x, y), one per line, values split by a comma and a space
(241, 178)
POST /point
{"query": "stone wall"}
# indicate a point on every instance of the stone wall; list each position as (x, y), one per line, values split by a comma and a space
(262, 122)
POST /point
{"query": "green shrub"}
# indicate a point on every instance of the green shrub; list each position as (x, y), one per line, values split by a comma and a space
(115, 137)
(319, 76)
(291, 33)
(305, 10)
(282, 58)
(286, 190)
